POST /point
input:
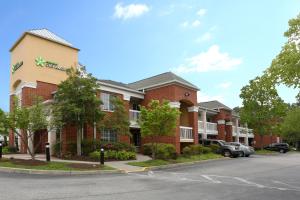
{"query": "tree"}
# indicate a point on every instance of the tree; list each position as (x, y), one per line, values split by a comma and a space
(158, 119)
(76, 103)
(3, 125)
(29, 120)
(291, 126)
(285, 67)
(262, 109)
(118, 121)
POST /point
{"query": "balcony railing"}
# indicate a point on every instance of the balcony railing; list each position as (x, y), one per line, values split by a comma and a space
(242, 132)
(134, 116)
(211, 128)
(186, 134)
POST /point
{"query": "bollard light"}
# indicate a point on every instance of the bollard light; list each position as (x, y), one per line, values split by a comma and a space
(102, 156)
(0, 150)
(47, 152)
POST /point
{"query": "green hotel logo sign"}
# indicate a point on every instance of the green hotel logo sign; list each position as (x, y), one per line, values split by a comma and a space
(16, 66)
(41, 62)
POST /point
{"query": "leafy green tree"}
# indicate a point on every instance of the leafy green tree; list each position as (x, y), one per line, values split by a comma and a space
(158, 119)
(285, 68)
(76, 103)
(29, 120)
(4, 125)
(118, 120)
(262, 109)
(291, 126)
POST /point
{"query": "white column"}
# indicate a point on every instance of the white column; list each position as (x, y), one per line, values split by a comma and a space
(95, 131)
(247, 136)
(237, 137)
(203, 115)
(51, 140)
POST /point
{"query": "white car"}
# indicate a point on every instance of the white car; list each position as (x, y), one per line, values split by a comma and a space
(246, 151)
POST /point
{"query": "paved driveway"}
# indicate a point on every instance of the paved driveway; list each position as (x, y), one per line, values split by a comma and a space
(258, 177)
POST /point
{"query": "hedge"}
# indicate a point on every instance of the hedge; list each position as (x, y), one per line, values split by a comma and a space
(163, 151)
(113, 155)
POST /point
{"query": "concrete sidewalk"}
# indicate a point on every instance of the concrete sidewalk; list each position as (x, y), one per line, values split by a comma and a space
(120, 165)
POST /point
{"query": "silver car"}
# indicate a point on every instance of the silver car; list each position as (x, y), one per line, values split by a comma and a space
(246, 151)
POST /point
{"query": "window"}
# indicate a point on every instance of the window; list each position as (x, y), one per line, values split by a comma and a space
(108, 135)
(106, 100)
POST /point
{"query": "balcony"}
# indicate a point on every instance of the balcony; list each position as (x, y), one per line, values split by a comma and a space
(211, 128)
(186, 134)
(242, 132)
(134, 116)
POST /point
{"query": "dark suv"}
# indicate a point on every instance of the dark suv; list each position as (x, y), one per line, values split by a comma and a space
(281, 147)
(226, 149)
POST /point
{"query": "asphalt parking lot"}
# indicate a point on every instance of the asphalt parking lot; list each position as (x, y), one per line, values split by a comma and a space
(258, 177)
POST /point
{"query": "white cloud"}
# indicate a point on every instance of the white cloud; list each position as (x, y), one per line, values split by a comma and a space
(211, 60)
(201, 12)
(196, 23)
(202, 97)
(205, 37)
(192, 24)
(130, 11)
(184, 24)
(224, 85)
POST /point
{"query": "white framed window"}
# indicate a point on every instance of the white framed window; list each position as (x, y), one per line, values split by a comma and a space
(108, 135)
(106, 99)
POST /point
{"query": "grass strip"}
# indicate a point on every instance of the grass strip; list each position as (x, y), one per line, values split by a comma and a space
(180, 159)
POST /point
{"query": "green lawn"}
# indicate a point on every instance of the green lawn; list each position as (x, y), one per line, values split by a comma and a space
(180, 159)
(264, 151)
(52, 166)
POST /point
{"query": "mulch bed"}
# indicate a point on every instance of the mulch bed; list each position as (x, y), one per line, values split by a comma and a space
(28, 162)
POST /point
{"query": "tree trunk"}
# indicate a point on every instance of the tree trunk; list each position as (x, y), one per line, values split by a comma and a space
(79, 141)
(261, 142)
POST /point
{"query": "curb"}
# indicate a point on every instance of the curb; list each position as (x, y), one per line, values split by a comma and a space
(58, 172)
(171, 166)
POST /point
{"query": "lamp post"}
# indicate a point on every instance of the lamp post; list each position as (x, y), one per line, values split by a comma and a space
(47, 152)
(102, 156)
(0, 149)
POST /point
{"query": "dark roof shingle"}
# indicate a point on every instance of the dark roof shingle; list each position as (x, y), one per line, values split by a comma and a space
(213, 105)
(160, 79)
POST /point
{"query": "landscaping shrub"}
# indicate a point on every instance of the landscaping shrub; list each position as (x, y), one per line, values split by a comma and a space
(187, 151)
(113, 155)
(198, 149)
(5, 150)
(215, 148)
(89, 146)
(163, 151)
(206, 150)
(12, 149)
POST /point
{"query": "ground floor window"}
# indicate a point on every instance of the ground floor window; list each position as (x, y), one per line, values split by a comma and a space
(108, 135)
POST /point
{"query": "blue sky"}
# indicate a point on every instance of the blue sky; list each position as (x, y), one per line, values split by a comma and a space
(217, 45)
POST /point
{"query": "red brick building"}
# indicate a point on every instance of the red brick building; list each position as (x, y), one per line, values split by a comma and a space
(39, 59)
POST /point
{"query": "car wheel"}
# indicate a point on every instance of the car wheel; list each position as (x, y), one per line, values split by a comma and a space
(248, 155)
(281, 151)
(241, 154)
(227, 153)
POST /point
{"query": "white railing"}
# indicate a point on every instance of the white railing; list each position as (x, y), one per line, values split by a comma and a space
(186, 134)
(134, 116)
(211, 128)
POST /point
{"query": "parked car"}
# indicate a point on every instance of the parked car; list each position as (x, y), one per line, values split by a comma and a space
(246, 151)
(1, 138)
(281, 147)
(226, 149)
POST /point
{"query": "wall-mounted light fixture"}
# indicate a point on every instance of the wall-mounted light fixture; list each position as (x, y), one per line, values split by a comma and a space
(187, 94)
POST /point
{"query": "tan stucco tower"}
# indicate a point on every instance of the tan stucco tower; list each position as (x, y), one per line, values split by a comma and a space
(39, 59)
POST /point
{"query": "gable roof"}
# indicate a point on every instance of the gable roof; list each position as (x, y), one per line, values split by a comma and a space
(213, 105)
(45, 34)
(160, 79)
(117, 85)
